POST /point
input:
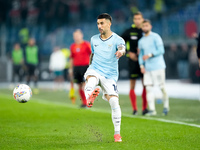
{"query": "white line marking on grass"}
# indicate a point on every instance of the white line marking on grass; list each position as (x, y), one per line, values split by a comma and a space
(164, 120)
(42, 101)
(151, 118)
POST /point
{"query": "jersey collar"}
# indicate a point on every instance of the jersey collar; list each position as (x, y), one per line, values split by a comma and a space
(107, 38)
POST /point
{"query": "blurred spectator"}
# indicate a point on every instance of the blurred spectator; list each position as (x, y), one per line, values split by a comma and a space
(158, 8)
(171, 60)
(32, 62)
(57, 64)
(183, 64)
(32, 13)
(66, 53)
(15, 14)
(23, 36)
(17, 59)
(74, 8)
(193, 65)
(198, 49)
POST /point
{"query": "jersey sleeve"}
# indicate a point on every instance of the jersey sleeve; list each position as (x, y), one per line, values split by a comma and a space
(120, 42)
(159, 46)
(141, 62)
(91, 42)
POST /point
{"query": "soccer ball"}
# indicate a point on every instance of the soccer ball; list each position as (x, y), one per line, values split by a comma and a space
(22, 93)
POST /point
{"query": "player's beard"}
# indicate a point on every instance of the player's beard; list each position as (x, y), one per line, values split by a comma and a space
(146, 32)
(102, 31)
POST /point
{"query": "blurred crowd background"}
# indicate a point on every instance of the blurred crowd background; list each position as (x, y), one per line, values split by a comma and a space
(52, 22)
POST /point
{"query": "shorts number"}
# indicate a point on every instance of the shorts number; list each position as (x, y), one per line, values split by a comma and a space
(115, 88)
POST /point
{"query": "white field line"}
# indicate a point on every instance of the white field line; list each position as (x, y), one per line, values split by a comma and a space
(124, 114)
(42, 101)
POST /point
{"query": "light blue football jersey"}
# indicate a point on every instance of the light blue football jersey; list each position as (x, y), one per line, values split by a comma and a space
(104, 59)
(152, 44)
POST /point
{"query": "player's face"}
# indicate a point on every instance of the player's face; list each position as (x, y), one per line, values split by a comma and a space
(138, 19)
(31, 42)
(146, 27)
(17, 47)
(103, 25)
(78, 36)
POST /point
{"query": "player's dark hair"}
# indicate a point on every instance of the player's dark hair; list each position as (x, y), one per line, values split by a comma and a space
(105, 16)
(138, 13)
(146, 21)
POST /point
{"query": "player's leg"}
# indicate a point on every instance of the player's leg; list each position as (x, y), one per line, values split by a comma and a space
(35, 76)
(110, 93)
(133, 75)
(92, 80)
(116, 115)
(81, 84)
(148, 82)
(144, 99)
(151, 100)
(163, 90)
(20, 73)
(28, 73)
(82, 94)
(132, 95)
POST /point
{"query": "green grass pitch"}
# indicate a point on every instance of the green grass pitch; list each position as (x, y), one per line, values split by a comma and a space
(49, 121)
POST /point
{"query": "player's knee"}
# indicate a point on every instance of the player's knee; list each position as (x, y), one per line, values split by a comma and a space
(149, 88)
(163, 89)
(132, 84)
(92, 79)
(150, 93)
(114, 102)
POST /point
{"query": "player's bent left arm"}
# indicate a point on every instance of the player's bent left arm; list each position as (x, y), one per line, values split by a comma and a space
(159, 47)
(121, 50)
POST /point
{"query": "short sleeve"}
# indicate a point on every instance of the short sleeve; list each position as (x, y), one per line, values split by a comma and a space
(120, 41)
(91, 42)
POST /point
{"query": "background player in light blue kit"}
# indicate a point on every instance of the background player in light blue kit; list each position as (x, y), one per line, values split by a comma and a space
(107, 48)
(152, 65)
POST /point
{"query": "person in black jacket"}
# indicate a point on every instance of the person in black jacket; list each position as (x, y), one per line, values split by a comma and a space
(198, 49)
(131, 37)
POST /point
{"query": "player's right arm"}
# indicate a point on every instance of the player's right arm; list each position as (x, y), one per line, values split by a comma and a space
(140, 58)
(92, 49)
(91, 57)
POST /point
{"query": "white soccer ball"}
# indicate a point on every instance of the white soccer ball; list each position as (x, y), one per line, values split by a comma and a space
(22, 93)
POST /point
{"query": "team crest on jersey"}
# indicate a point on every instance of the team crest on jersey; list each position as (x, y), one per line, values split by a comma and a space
(110, 46)
(78, 50)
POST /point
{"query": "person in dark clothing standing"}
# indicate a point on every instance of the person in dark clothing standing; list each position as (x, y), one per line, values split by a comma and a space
(32, 62)
(131, 37)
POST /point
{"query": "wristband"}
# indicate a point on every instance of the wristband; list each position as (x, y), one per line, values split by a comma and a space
(150, 55)
(141, 66)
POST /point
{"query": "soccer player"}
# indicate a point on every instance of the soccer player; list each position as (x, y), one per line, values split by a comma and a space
(79, 62)
(131, 36)
(17, 59)
(107, 48)
(32, 62)
(152, 65)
